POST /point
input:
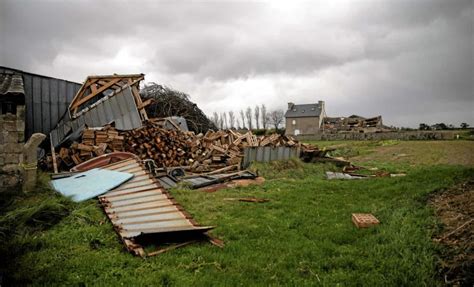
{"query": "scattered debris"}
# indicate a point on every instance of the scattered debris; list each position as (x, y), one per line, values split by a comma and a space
(248, 199)
(341, 175)
(89, 184)
(398, 174)
(363, 220)
(103, 160)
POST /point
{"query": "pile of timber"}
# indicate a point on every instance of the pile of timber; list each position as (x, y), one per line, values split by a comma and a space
(169, 148)
(202, 152)
(95, 142)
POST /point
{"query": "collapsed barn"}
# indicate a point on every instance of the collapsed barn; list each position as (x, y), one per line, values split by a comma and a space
(128, 146)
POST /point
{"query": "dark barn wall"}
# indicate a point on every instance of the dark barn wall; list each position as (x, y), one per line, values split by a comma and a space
(46, 100)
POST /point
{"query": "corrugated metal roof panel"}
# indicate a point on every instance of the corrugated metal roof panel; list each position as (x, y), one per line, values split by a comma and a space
(143, 206)
(120, 108)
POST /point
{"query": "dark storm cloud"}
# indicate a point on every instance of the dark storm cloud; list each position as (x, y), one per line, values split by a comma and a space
(407, 60)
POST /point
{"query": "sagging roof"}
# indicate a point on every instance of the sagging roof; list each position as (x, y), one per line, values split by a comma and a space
(306, 110)
(11, 84)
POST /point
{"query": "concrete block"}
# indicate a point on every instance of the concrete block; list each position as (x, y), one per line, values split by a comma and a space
(21, 137)
(12, 148)
(9, 126)
(12, 158)
(10, 168)
(20, 126)
(20, 112)
(10, 137)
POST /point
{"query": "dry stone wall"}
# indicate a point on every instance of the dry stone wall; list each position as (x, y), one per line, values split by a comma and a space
(12, 138)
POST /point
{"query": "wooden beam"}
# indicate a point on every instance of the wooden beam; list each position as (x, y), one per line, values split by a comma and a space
(98, 91)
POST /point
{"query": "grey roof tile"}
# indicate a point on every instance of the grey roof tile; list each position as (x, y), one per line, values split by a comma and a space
(306, 110)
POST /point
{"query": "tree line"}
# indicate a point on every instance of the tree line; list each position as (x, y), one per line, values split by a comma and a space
(257, 118)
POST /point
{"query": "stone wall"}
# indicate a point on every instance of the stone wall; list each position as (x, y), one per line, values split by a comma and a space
(305, 125)
(399, 135)
(12, 138)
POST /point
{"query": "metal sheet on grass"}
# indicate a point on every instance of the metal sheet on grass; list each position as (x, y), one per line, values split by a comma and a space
(143, 206)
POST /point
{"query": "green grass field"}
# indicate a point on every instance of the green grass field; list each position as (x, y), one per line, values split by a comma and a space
(302, 236)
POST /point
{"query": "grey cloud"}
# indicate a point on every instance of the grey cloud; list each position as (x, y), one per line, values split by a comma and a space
(420, 53)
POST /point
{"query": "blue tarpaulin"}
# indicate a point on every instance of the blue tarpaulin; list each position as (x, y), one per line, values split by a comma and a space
(89, 184)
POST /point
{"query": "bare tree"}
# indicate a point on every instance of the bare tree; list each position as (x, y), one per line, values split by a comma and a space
(224, 116)
(221, 122)
(231, 119)
(277, 117)
(263, 110)
(242, 116)
(237, 124)
(248, 115)
(256, 113)
(215, 119)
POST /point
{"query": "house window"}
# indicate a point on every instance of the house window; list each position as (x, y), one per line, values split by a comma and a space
(294, 122)
(8, 107)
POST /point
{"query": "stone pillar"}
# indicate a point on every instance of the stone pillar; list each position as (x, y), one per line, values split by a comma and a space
(30, 161)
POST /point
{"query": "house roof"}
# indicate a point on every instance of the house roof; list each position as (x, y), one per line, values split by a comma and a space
(306, 110)
(11, 84)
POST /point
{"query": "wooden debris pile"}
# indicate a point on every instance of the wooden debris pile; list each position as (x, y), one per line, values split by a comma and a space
(95, 142)
(170, 148)
(200, 152)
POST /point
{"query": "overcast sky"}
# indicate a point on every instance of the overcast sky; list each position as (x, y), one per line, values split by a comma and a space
(409, 61)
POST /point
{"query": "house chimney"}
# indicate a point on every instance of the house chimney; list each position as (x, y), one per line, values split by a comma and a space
(290, 106)
(322, 107)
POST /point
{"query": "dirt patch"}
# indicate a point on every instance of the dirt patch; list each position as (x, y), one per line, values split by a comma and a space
(455, 209)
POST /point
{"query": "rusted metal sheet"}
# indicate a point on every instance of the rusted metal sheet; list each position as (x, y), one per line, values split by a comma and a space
(142, 206)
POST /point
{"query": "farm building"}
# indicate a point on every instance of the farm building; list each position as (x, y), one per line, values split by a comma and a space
(304, 119)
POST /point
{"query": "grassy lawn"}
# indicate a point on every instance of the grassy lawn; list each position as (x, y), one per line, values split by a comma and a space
(302, 236)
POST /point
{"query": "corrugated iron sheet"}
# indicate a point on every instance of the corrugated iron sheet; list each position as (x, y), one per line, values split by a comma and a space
(119, 108)
(267, 154)
(142, 206)
(46, 100)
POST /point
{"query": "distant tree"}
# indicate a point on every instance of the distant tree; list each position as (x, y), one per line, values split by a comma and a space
(224, 116)
(231, 120)
(277, 117)
(263, 111)
(215, 119)
(424, 127)
(440, 126)
(242, 116)
(451, 126)
(237, 124)
(248, 115)
(464, 125)
(256, 112)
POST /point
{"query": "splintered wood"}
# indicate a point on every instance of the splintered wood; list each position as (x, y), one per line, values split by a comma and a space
(199, 152)
(363, 220)
(170, 148)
